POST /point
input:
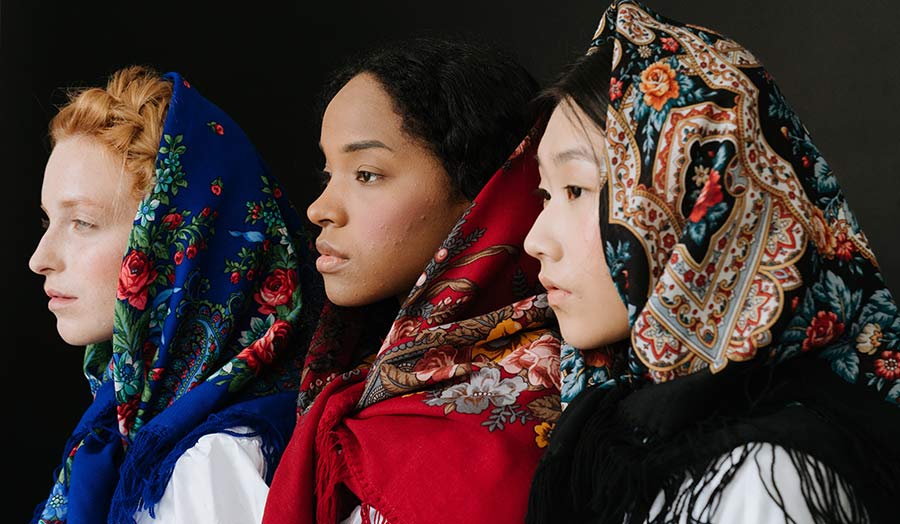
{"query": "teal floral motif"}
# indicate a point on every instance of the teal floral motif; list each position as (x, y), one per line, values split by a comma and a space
(577, 375)
(258, 328)
(169, 173)
(146, 211)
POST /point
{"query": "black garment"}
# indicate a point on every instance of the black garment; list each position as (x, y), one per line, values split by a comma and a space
(615, 450)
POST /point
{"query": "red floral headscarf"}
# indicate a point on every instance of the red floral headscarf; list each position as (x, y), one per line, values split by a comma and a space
(462, 393)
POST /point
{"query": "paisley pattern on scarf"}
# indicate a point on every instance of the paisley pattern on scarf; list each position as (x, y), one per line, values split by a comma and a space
(206, 323)
(727, 232)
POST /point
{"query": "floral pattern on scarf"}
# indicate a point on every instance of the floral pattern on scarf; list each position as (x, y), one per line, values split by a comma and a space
(206, 322)
(727, 234)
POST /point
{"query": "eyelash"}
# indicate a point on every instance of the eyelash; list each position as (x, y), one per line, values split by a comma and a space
(78, 224)
(572, 192)
(81, 224)
(361, 175)
(325, 177)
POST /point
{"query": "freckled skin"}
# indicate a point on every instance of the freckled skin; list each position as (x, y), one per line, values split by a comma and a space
(389, 225)
(566, 235)
(80, 254)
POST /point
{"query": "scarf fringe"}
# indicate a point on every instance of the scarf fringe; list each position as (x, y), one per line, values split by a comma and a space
(331, 470)
(601, 469)
(149, 463)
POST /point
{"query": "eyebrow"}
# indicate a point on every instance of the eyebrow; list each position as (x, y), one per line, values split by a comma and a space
(76, 201)
(353, 147)
(576, 153)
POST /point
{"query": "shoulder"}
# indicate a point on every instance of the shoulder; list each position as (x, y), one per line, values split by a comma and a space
(238, 445)
(759, 483)
(764, 482)
(220, 479)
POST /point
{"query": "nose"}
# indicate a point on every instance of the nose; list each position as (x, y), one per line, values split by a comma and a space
(45, 258)
(328, 208)
(541, 243)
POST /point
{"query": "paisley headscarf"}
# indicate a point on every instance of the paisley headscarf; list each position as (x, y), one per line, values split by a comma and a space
(745, 275)
(461, 396)
(208, 334)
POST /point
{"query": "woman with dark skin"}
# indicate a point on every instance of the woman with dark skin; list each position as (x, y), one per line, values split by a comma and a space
(432, 377)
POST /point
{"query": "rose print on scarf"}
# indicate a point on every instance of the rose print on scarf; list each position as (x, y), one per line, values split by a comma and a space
(276, 290)
(822, 330)
(262, 350)
(659, 84)
(540, 360)
(662, 83)
(135, 278)
(438, 364)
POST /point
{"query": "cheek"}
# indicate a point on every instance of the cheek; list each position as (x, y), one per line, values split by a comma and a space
(386, 227)
(102, 267)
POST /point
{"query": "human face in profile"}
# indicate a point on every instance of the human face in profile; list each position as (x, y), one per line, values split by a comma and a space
(89, 209)
(388, 202)
(565, 238)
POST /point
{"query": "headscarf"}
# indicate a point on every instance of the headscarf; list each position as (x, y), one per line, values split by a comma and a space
(207, 321)
(745, 275)
(461, 396)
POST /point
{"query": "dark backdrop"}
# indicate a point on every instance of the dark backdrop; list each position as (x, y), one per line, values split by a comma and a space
(263, 61)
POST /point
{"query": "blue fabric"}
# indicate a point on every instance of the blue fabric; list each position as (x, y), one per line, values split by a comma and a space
(208, 332)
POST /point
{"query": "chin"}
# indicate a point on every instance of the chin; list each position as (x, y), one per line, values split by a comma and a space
(79, 337)
(581, 337)
(344, 298)
(350, 296)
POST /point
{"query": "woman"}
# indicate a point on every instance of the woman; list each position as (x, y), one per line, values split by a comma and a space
(192, 338)
(414, 415)
(737, 352)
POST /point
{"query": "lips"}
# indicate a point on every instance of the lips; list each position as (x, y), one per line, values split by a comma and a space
(555, 294)
(331, 259)
(58, 299)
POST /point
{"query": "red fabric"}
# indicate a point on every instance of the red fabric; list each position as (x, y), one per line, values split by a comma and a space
(449, 430)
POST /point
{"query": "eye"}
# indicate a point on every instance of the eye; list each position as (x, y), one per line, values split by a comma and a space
(367, 177)
(81, 225)
(45, 223)
(573, 192)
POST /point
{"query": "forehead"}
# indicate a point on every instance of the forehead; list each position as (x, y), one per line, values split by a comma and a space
(361, 111)
(569, 128)
(80, 167)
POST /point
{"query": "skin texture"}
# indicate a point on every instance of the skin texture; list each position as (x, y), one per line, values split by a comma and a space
(566, 235)
(388, 203)
(90, 209)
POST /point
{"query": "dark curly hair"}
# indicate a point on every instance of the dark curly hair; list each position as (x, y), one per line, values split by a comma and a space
(468, 103)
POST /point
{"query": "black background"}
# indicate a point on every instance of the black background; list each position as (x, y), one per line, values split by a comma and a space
(263, 61)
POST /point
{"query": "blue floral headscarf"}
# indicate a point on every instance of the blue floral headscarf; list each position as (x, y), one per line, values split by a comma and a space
(206, 326)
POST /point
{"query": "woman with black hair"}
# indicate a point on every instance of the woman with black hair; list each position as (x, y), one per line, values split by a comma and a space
(432, 379)
(738, 352)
